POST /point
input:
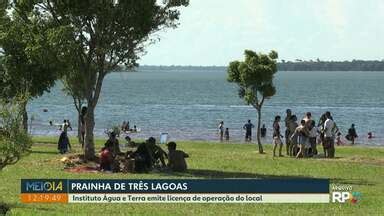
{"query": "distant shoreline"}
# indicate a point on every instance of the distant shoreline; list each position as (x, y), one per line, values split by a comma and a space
(356, 65)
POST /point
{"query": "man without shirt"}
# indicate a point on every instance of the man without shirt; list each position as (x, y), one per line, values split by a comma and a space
(292, 143)
(248, 131)
(287, 121)
(176, 158)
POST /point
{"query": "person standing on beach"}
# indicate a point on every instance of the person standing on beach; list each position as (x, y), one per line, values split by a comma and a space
(263, 131)
(221, 130)
(287, 121)
(226, 134)
(301, 134)
(352, 135)
(313, 138)
(248, 131)
(69, 124)
(292, 143)
(308, 118)
(330, 129)
(124, 126)
(63, 143)
(308, 122)
(320, 125)
(277, 136)
(127, 127)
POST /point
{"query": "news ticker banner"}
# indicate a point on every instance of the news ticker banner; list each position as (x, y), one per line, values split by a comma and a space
(175, 191)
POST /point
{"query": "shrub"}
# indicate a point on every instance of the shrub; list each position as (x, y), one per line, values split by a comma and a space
(14, 140)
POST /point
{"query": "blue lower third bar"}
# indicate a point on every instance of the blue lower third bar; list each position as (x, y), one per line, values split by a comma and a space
(199, 186)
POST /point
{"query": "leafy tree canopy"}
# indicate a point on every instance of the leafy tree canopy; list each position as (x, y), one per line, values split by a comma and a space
(254, 76)
(28, 66)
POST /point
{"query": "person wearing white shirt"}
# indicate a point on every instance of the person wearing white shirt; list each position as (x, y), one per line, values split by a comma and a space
(329, 136)
(328, 128)
(221, 130)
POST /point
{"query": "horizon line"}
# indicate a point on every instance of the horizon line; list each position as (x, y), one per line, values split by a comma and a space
(287, 61)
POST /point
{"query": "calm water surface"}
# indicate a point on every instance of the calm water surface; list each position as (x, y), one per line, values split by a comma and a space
(189, 103)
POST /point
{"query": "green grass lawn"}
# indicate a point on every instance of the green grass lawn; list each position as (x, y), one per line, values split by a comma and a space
(361, 167)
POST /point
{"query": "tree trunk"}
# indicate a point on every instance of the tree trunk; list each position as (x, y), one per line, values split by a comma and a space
(79, 126)
(25, 116)
(78, 105)
(92, 98)
(258, 131)
(89, 145)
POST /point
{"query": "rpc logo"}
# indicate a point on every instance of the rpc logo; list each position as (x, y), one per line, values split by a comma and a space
(342, 197)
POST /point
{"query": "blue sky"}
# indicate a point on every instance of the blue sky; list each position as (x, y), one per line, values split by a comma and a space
(215, 32)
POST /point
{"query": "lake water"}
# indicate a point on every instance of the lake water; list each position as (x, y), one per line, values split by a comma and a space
(188, 103)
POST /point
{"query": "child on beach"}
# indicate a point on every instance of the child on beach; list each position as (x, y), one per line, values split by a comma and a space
(263, 131)
(226, 134)
(338, 139)
(302, 135)
(352, 135)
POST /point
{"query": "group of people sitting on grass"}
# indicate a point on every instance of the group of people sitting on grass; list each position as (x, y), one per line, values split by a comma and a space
(302, 138)
(146, 157)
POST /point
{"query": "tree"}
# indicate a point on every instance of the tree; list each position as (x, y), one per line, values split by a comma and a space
(74, 88)
(14, 140)
(27, 63)
(254, 77)
(98, 35)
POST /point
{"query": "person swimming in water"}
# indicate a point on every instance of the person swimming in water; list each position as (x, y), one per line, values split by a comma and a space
(338, 139)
